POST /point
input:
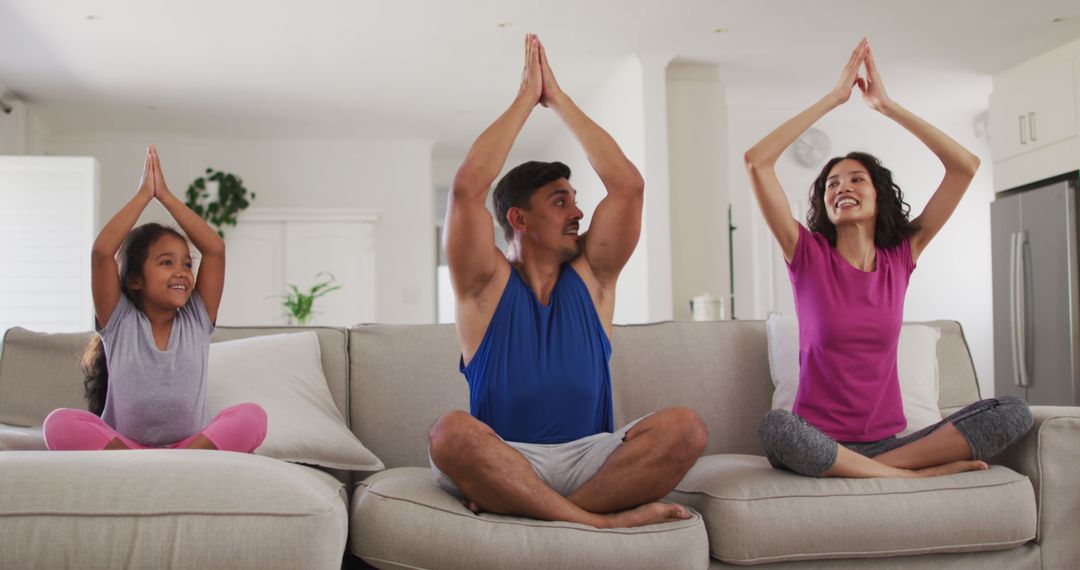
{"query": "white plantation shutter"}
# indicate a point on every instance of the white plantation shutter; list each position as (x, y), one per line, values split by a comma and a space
(47, 217)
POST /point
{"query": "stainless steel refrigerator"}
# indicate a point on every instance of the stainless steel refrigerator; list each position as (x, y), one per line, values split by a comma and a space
(1037, 292)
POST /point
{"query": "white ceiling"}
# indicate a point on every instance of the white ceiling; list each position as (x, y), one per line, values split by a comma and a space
(442, 70)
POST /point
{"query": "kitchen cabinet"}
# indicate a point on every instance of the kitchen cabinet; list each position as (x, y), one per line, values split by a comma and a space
(1033, 118)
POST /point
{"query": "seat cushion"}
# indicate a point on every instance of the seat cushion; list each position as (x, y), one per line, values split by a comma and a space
(167, 508)
(756, 514)
(402, 519)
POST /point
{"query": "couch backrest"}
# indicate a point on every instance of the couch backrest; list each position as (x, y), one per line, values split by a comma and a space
(393, 381)
(405, 376)
(40, 372)
(719, 369)
(956, 372)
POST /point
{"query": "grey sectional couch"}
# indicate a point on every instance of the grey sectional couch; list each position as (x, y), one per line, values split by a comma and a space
(185, 509)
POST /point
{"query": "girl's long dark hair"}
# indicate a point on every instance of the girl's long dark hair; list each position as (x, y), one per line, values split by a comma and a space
(132, 255)
(892, 225)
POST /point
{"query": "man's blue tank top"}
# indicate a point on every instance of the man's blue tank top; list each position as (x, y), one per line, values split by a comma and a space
(541, 375)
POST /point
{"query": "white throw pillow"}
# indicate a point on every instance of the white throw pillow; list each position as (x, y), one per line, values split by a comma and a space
(916, 365)
(283, 374)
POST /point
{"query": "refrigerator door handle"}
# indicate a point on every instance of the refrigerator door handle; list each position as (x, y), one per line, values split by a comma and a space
(1021, 308)
(1012, 310)
(1023, 128)
(1031, 126)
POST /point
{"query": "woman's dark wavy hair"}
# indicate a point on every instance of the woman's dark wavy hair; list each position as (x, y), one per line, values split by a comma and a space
(130, 259)
(892, 225)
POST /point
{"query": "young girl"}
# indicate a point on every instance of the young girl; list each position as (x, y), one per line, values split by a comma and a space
(849, 272)
(146, 370)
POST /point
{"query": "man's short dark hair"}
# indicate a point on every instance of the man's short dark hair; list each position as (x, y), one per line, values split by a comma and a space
(515, 189)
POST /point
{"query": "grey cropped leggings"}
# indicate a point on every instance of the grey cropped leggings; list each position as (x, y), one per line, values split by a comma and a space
(989, 426)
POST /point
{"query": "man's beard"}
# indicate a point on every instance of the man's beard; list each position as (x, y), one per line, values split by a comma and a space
(567, 253)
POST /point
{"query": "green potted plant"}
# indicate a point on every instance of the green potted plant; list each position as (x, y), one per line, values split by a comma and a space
(298, 304)
(232, 198)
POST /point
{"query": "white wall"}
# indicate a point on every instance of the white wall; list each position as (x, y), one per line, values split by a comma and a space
(657, 229)
(697, 165)
(13, 124)
(21, 131)
(630, 105)
(952, 280)
(392, 176)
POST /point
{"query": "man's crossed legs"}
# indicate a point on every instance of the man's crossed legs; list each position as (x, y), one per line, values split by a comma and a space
(605, 480)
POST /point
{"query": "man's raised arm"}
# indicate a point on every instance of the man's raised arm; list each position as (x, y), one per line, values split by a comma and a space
(616, 223)
(469, 235)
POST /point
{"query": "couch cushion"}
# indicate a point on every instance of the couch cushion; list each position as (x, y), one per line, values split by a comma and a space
(167, 508)
(402, 519)
(403, 377)
(756, 514)
(40, 372)
(956, 371)
(720, 369)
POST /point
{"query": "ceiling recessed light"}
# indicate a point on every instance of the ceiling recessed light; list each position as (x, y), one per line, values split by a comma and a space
(720, 30)
(505, 24)
(91, 17)
(1058, 20)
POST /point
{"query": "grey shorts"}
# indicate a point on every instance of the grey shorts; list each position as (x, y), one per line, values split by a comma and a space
(562, 466)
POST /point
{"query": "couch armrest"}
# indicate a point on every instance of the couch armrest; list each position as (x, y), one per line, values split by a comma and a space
(1050, 456)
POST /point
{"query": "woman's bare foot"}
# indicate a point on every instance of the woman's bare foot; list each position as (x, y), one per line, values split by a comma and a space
(950, 468)
(651, 513)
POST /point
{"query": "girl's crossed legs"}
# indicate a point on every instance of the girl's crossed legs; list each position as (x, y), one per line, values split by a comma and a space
(239, 428)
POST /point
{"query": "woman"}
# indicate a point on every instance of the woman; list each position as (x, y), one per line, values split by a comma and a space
(849, 271)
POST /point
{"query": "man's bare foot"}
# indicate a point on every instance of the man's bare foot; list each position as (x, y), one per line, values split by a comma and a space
(950, 468)
(472, 506)
(651, 513)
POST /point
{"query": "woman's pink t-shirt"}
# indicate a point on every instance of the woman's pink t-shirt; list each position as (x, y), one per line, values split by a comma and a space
(849, 328)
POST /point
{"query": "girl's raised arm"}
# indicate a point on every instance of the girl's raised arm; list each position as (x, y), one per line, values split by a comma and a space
(210, 282)
(761, 159)
(104, 273)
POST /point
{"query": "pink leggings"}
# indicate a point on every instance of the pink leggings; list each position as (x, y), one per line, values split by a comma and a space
(239, 428)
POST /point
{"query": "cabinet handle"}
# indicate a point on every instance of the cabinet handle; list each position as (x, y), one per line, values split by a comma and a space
(1031, 126)
(1023, 128)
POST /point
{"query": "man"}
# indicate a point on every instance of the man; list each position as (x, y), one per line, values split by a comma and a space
(534, 328)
